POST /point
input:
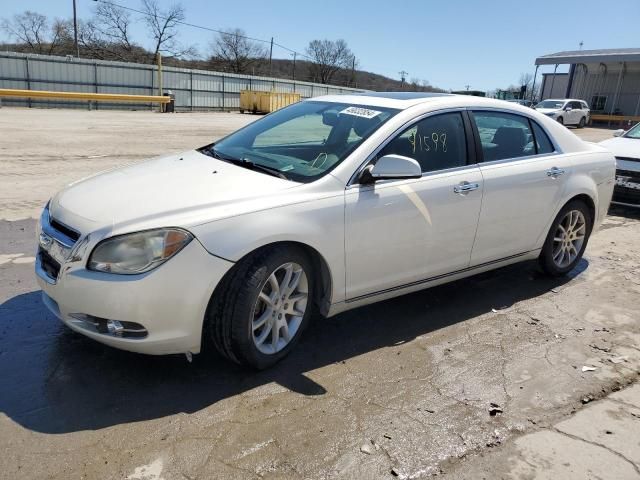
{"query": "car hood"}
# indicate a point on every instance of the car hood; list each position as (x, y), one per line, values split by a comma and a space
(623, 147)
(175, 190)
(548, 110)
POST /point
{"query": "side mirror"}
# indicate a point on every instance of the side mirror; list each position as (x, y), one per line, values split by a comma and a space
(619, 132)
(391, 167)
(567, 108)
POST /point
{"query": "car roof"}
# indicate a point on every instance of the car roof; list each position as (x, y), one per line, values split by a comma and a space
(404, 100)
(564, 100)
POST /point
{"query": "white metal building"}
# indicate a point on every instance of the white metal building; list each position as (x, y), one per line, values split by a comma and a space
(609, 80)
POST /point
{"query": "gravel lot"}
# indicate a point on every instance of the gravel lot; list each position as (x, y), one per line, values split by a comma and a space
(402, 388)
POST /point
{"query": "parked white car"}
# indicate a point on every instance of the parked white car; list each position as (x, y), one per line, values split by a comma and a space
(323, 206)
(626, 148)
(566, 111)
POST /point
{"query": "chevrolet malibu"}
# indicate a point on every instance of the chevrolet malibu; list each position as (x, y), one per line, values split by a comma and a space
(326, 205)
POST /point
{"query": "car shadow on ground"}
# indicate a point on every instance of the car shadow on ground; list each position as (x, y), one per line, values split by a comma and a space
(56, 381)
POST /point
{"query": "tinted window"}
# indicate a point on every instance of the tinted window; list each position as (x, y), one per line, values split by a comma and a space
(504, 135)
(576, 105)
(436, 143)
(543, 143)
(585, 106)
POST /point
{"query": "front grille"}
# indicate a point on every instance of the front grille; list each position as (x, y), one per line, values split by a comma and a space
(628, 159)
(49, 264)
(69, 232)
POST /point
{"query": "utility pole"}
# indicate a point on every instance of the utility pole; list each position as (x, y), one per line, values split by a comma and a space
(467, 87)
(75, 30)
(353, 71)
(270, 56)
(294, 65)
(159, 61)
(403, 77)
(581, 44)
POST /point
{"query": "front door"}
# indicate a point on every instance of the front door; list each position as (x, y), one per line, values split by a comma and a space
(402, 231)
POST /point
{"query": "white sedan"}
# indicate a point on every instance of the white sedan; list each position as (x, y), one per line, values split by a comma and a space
(326, 205)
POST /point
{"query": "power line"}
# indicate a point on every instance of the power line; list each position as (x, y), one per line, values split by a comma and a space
(209, 29)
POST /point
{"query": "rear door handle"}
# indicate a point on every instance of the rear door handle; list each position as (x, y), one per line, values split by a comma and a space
(465, 187)
(555, 172)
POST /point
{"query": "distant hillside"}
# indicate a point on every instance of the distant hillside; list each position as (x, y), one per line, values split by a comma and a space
(280, 68)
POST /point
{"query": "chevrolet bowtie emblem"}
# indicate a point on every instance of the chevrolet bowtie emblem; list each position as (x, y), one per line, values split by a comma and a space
(45, 241)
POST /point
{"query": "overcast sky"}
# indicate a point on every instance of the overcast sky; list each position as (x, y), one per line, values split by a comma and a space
(450, 43)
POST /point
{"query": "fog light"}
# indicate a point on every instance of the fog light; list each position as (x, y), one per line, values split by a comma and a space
(115, 328)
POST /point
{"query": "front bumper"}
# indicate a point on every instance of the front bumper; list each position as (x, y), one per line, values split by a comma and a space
(627, 188)
(170, 302)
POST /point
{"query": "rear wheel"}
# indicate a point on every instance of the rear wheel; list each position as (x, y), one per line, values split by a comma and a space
(582, 123)
(566, 239)
(263, 307)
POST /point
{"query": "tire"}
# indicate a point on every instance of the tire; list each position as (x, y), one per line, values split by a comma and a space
(552, 259)
(237, 306)
(241, 110)
(582, 123)
(560, 120)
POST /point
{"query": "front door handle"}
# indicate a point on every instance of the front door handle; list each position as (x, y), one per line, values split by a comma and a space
(465, 187)
(555, 172)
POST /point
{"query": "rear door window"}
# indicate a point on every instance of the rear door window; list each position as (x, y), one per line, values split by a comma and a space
(543, 144)
(504, 135)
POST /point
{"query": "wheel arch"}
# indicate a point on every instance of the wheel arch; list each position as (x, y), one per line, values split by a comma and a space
(321, 270)
(583, 195)
(588, 201)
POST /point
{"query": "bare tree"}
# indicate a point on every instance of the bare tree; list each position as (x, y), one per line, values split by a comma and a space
(114, 24)
(34, 31)
(235, 52)
(328, 57)
(163, 28)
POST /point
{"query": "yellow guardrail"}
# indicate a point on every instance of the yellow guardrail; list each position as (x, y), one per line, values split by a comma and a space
(615, 118)
(94, 97)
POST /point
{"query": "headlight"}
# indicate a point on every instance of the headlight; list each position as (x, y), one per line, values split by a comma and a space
(138, 252)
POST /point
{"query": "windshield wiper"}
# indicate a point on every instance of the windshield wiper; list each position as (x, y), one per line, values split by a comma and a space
(246, 163)
(263, 168)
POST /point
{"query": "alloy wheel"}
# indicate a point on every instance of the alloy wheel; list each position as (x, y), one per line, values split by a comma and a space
(280, 308)
(569, 238)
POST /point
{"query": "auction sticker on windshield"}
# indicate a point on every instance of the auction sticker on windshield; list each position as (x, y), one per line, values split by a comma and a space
(360, 112)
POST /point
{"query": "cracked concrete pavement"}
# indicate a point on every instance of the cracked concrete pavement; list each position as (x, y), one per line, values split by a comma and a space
(437, 382)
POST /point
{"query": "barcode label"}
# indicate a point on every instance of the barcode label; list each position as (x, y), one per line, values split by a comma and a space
(360, 112)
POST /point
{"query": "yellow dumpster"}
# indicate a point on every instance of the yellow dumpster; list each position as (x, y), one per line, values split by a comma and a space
(265, 102)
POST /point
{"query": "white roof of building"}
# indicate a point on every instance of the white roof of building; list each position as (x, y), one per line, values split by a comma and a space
(582, 56)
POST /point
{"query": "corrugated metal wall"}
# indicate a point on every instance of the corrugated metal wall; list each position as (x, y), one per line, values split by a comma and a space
(194, 89)
(620, 88)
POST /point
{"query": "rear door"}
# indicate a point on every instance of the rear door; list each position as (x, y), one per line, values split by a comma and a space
(523, 181)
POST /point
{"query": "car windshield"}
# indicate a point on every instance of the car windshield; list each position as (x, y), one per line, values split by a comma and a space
(550, 104)
(301, 142)
(634, 132)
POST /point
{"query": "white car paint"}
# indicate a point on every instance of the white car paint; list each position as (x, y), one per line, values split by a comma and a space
(374, 241)
(626, 148)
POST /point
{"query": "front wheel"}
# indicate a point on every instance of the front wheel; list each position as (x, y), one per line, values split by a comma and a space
(263, 307)
(567, 239)
(560, 120)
